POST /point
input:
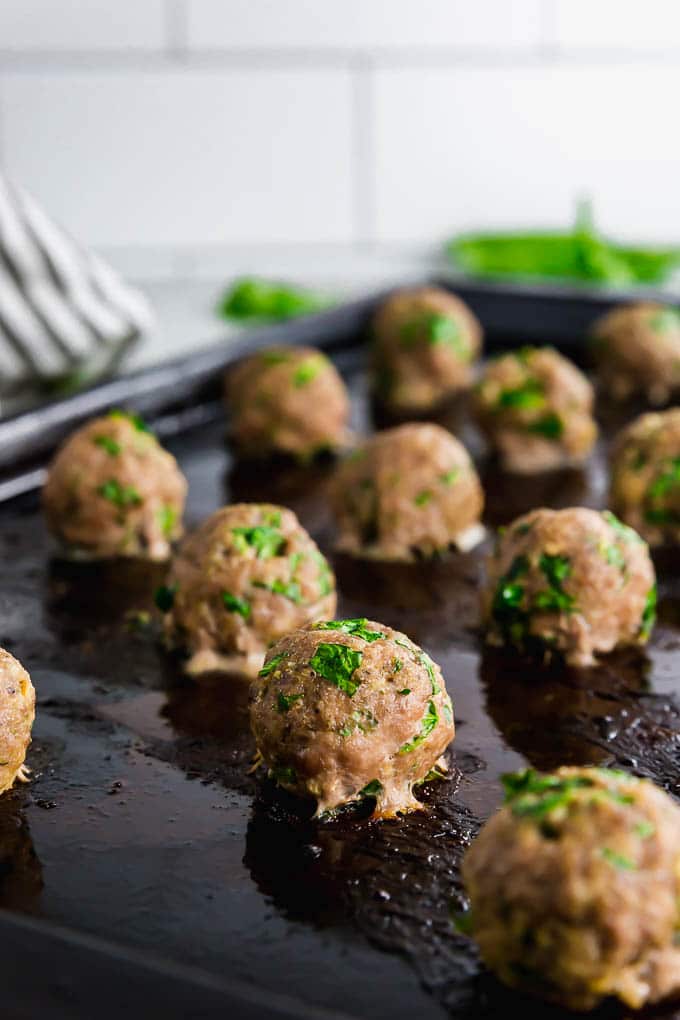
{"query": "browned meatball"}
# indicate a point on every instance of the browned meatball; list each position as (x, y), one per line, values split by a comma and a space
(408, 492)
(535, 408)
(349, 709)
(637, 348)
(645, 482)
(288, 400)
(572, 581)
(425, 343)
(574, 888)
(112, 490)
(248, 575)
(17, 712)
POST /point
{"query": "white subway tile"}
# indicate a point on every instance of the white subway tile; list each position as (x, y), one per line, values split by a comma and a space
(362, 24)
(76, 25)
(184, 157)
(618, 24)
(516, 146)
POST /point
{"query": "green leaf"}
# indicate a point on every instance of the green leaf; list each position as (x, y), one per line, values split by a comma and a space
(357, 627)
(235, 604)
(534, 794)
(397, 665)
(423, 498)
(265, 540)
(270, 666)
(289, 589)
(644, 829)
(337, 663)
(404, 691)
(109, 444)
(614, 557)
(122, 496)
(372, 789)
(164, 597)
(428, 723)
(449, 477)
(555, 568)
(285, 701)
(308, 370)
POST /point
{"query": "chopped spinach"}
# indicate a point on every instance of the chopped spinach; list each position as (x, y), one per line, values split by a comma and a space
(270, 666)
(235, 604)
(357, 627)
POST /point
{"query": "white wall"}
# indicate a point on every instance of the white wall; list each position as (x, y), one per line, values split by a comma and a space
(163, 127)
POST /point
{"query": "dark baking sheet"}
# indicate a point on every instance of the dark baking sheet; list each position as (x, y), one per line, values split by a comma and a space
(143, 828)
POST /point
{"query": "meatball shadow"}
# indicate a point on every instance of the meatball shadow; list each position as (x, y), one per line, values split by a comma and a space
(21, 880)
(452, 414)
(304, 489)
(445, 589)
(510, 495)
(559, 715)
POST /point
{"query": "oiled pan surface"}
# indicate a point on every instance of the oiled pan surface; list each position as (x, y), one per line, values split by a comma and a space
(143, 825)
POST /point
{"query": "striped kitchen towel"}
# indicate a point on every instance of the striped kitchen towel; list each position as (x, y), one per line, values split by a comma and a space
(63, 310)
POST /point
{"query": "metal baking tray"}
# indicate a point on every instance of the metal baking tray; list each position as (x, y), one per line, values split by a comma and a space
(145, 870)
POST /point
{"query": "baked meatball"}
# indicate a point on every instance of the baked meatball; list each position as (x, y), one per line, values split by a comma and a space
(645, 481)
(349, 709)
(112, 490)
(535, 408)
(408, 492)
(248, 575)
(17, 712)
(574, 888)
(425, 342)
(637, 349)
(572, 581)
(288, 400)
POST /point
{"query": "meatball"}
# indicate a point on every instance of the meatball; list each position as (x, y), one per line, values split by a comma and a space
(409, 491)
(645, 482)
(535, 408)
(288, 400)
(248, 575)
(582, 902)
(349, 709)
(425, 341)
(637, 349)
(572, 581)
(17, 712)
(112, 490)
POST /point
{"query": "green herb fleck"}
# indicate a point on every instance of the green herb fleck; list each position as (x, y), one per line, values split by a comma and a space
(270, 666)
(614, 557)
(665, 321)
(529, 395)
(429, 721)
(423, 498)
(274, 357)
(644, 829)
(265, 540)
(289, 589)
(307, 370)
(109, 444)
(358, 628)
(648, 613)
(236, 605)
(449, 477)
(530, 793)
(550, 426)
(337, 663)
(122, 496)
(285, 701)
(617, 860)
(404, 690)
(167, 518)
(372, 789)
(133, 418)
(397, 665)
(164, 597)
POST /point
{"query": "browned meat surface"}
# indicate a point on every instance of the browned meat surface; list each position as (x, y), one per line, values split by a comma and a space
(112, 490)
(408, 492)
(349, 709)
(535, 408)
(247, 576)
(17, 712)
(645, 480)
(426, 341)
(574, 888)
(288, 400)
(637, 348)
(575, 581)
